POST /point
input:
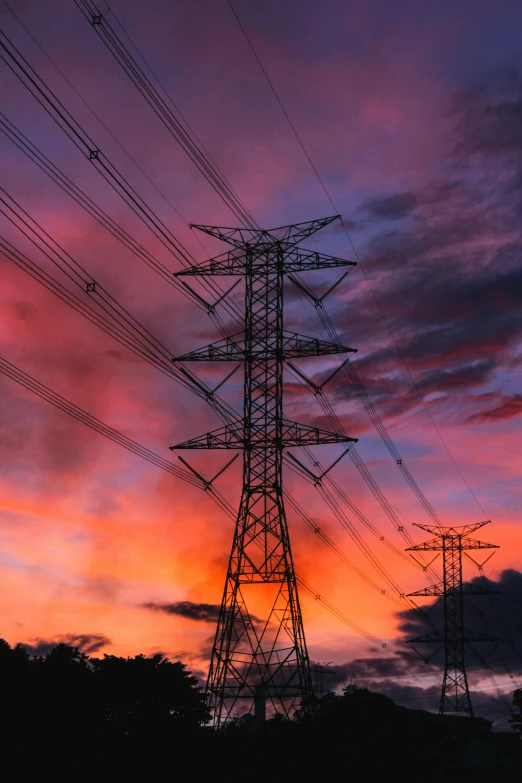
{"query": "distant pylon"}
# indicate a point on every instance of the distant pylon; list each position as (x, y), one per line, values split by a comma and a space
(319, 670)
(259, 657)
(452, 542)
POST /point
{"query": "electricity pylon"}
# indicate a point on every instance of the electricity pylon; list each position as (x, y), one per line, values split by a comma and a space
(453, 542)
(259, 657)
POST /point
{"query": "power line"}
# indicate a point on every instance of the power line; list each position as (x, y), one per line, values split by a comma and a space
(166, 367)
(24, 72)
(100, 121)
(372, 291)
(44, 95)
(48, 395)
(382, 431)
(353, 378)
(329, 484)
(45, 393)
(50, 169)
(86, 145)
(153, 352)
(148, 348)
(99, 25)
(144, 85)
(87, 142)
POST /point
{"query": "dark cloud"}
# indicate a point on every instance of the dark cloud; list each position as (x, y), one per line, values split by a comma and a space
(366, 670)
(394, 207)
(459, 318)
(407, 680)
(507, 409)
(400, 394)
(87, 643)
(498, 615)
(486, 127)
(463, 377)
(448, 275)
(207, 613)
(485, 704)
(393, 677)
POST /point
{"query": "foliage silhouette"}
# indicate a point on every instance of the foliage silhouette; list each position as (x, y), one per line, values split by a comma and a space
(144, 715)
(516, 718)
(148, 694)
(67, 692)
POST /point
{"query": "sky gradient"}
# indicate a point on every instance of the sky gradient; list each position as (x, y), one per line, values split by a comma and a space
(412, 115)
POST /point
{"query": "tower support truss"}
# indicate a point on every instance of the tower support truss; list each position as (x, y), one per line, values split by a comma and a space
(453, 542)
(259, 657)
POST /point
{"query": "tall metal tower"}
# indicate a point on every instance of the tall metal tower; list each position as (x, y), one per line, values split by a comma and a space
(453, 542)
(259, 654)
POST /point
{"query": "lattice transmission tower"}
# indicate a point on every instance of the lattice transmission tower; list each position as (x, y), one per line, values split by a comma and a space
(259, 658)
(453, 542)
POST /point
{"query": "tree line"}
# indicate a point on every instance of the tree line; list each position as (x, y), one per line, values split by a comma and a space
(143, 710)
(67, 691)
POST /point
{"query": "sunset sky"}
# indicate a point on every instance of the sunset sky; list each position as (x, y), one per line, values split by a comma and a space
(412, 115)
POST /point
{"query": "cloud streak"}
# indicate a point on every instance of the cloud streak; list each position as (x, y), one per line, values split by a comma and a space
(446, 263)
(509, 408)
(88, 643)
(206, 613)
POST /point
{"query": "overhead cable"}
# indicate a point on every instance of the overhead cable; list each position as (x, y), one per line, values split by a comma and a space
(45, 393)
(372, 290)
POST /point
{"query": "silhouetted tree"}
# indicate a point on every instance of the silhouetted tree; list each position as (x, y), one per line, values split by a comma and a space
(357, 710)
(148, 694)
(66, 696)
(62, 692)
(143, 711)
(15, 684)
(516, 718)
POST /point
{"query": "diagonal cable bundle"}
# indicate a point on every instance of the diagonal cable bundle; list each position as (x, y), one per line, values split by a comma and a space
(172, 123)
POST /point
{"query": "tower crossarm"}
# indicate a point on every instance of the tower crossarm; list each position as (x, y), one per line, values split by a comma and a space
(432, 590)
(260, 260)
(468, 637)
(446, 541)
(471, 543)
(434, 637)
(467, 588)
(233, 348)
(462, 530)
(433, 545)
(301, 260)
(287, 235)
(295, 434)
(231, 436)
(236, 436)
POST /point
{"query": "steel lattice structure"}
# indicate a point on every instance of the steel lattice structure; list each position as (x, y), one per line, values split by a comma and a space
(260, 656)
(453, 542)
